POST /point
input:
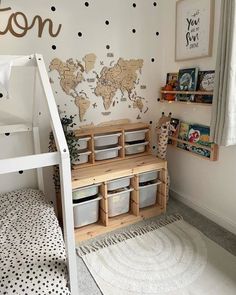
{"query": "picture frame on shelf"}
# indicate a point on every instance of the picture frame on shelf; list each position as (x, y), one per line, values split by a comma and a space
(194, 29)
(172, 79)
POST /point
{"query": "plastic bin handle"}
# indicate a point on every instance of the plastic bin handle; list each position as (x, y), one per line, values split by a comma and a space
(107, 135)
(121, 192)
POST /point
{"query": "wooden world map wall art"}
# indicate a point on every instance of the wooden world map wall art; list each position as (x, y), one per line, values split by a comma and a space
(19, 25)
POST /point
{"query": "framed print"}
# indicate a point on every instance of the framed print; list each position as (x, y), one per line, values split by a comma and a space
(194, 29)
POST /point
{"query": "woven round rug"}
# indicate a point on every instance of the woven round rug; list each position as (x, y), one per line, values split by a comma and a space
(163, 257)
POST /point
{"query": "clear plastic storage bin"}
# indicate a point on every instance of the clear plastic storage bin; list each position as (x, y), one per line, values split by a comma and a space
(135, 135)
(118, 183)
(105, 154)
(119, 203)
(148, 176)
(86, 211)
(137, 148)
(106, 139)
(86, 191)
(148, 194)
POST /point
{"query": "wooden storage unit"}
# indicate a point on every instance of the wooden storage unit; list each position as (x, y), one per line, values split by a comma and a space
(108, 130)
(127, 167)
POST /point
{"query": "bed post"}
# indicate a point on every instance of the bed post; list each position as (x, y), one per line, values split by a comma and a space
(68, 222)
(65, 175)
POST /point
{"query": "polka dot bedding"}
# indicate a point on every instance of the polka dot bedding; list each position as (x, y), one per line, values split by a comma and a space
(32, 252)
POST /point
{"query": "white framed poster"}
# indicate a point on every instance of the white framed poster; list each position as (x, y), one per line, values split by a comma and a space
(194, 29)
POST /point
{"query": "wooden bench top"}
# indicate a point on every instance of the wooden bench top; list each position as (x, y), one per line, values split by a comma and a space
(105, 172)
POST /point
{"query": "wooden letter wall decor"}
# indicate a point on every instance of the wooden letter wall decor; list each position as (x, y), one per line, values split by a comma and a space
(18, 25)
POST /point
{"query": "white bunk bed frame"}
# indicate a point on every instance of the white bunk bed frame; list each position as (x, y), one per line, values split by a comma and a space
(40, 160)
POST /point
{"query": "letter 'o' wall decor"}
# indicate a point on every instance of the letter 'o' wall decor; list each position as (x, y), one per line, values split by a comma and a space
(194, 29)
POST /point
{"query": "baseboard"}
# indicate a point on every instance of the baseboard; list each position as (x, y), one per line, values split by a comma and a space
(222, 221)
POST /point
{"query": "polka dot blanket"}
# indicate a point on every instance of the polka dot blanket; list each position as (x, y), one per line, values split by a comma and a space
(32, 252)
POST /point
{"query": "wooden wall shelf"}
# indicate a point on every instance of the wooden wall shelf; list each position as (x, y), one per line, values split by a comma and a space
(173, 92)
(192, 103)
(213, 148)
(187, 92)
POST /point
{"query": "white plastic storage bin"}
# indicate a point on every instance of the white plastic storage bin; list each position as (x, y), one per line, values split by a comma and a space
(82, 143)
(135, 135)
(106, 154)
(119, 203)
(86, 191)
(118, 183)
(86, 212)
(147, 195)
(106, 140)
(83, 158)
(148, 176)
(137, 148)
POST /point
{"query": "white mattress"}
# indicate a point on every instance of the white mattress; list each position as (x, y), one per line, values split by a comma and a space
(32, 252)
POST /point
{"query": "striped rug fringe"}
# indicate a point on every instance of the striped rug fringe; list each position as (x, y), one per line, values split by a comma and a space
(130, 233)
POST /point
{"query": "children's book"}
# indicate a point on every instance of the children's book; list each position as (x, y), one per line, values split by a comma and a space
(205, 83)
(183, 135)
(199, 134)
(174, 128)
(187, 81)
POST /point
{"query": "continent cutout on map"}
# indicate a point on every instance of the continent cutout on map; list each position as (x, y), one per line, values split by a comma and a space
(70, 73)
(83, 105)
(138, 104)
(122, 76)
(89, 61)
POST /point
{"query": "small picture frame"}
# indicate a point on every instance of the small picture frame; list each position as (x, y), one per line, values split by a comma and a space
(172, 79)
(194, 29)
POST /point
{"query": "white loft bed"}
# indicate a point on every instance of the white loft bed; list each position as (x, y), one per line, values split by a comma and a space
(40, 160)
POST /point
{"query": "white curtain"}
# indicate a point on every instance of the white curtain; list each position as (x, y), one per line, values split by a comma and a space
(223, 123)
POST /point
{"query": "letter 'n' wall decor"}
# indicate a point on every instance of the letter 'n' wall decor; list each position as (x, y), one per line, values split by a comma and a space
(194, 29)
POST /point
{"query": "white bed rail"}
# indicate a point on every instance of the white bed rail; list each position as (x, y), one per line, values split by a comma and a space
(40, 160)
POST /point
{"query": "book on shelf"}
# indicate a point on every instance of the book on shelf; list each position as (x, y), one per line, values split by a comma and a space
(174, 129)
(205, 83)
(194, 133)
(183, 135)
(187, 81)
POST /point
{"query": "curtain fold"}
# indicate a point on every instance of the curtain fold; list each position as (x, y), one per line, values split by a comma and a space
(223, 122)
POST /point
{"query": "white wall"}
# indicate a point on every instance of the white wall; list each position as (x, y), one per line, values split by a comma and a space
(206, 186)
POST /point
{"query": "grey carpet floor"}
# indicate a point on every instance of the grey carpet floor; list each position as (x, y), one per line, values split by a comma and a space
(227, 240)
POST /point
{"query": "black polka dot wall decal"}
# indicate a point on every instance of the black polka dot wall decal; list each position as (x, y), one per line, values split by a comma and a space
(154, 4)
(54, 47)
(7, 134)
(150, 122)
(107, 22)
(157, 33)
(152, 59)
(86, 4)
(134, 5)
(80, 34)
(20, 172)
(107, 46)
(1, 95)
(53, 8)
(134, 31)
